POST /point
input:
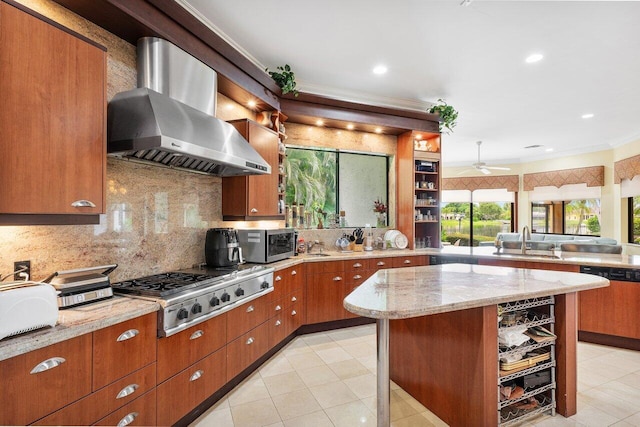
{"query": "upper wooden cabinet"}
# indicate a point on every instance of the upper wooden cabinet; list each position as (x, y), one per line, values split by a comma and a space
(255, 196)
(52, 120)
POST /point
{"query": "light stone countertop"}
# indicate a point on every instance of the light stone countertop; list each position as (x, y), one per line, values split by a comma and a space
(76, 321)
(401, 293)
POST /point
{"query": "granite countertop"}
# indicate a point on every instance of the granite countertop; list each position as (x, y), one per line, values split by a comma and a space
(76, 321)
(418, 291)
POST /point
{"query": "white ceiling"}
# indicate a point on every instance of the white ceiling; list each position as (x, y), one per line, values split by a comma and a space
(472, 56)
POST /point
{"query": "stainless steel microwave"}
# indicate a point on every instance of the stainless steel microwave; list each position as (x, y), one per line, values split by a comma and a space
(265, 246)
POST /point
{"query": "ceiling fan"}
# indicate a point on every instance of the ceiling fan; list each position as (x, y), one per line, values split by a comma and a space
(482, 166)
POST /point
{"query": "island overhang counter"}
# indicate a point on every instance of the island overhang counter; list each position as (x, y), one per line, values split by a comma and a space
(438, 326)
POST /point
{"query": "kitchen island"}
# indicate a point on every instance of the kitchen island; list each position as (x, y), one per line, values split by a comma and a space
(439, 327)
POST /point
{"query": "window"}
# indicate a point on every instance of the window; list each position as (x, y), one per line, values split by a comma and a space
(578, 217)
(328, 181)
(634, 220)
(479, 222)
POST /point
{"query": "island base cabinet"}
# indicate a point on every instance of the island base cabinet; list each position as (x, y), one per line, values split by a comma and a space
(612, 310)
(183, 392)
(39, 382)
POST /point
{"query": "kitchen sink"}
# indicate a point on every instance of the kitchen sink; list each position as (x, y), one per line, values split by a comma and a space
(528, 255)
(318, 254)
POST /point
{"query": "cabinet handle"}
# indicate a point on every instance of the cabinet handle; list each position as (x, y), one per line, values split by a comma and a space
(254, 210)
(278, 308)
(293, 312)
(250, 309)
(357, 277)
(294, 299)
(278, 323)
(48, 364)
(83, 204)
(380, 263)
(197, 334)
(337, 279)
(407, 261)
(127, 335)
(130, 389)
(128, 419)
(357, 265)
(278, 278)
(197, 374)
(293, 272)
(250, 341)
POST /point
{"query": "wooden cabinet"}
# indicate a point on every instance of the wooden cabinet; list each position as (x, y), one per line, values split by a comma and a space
(123, 348)
(140, 412)
(612, 310)
(181, 393)
(325, 291)
(418, 188)
(287, 313)
(183, 349)
(409, 261)
(255, 196)
(37, 383)
(247, 316)
(246, 349)
(52, 123)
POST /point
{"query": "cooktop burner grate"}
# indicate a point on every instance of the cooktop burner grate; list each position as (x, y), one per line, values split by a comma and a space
(163, 284)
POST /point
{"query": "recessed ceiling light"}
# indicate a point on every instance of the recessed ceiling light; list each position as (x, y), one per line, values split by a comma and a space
(379, 69)
(587, 116)
(229, 106)
(533, 146)
(378, 130)
(419, 137)
(535, 57)
(350, 126)
(548, 150)
(319, 122)
(251, 103)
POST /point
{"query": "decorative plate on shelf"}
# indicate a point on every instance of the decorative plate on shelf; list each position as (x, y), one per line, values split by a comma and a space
(401, 241)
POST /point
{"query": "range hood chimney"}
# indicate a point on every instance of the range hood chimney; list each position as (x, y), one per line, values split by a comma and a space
(169, 119)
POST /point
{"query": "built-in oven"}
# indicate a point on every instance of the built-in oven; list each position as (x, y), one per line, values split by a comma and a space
(265, 246)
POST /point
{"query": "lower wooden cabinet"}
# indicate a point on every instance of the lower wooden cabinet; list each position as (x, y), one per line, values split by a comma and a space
(246, 349)
(102, 403)
(248, 315)
(612, 310)
(140, 412)
(181, 393)
(409, 261)
(37, 383)
(324, 295)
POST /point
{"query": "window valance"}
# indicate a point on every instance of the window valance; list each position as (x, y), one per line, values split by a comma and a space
(592, 176)
(472, 183)
(626, 169)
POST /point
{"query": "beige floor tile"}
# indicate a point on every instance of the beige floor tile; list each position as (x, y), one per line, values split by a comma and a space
(353, 340)
(549, 421)
(370, 362)
(316, 419)
(417, 405)
(417, 420)
(622, 391)
(351, 414)
(278, 424)
(610, 404)
(316, 339)
(339, 335)
(333, 355)
(317, 376)
(275, 366)
(634, 419)
(364, 330)
(333, 394)
(362, 385)
(632, 380)
(434, 419)
(624, 423)
(257, 413)
(249, 390)
(348, 368)
(401, 409)
(284, 383)
(305, 360)
(219, 418)
(358, 350)
(589, 416)
(296, 404)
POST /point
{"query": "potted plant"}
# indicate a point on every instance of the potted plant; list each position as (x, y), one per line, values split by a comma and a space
(380, 209)
(447, 113)
(284, 78)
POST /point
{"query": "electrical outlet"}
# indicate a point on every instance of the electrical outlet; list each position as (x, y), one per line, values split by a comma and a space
(18, 265)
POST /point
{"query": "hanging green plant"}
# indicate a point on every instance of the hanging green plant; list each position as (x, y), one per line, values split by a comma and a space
(285, 79)
(447, 113)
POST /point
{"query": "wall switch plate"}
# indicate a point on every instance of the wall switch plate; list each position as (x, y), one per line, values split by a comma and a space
(18, 265)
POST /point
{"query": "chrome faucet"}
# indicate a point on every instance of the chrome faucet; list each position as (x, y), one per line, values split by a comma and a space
(526, 235)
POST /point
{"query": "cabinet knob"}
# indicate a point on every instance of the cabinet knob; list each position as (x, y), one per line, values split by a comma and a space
(337, 279)
(48, 364)
(407, 261)
(380, 263)
(197, 374)
(128, 390)
(83, 204)
(278, 323)
(294, 299)
(127, 419)
(127, 335)
(197, 334)
(278, 308)
(278, 278)
(250, 341)
(357, 265)
(250, 309)
(293, 272)
(254, 210)
(293, 312)
(357, 277)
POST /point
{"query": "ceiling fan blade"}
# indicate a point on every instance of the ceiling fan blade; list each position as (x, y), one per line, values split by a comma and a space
(464, 171)
(498, 168)
(484, 170)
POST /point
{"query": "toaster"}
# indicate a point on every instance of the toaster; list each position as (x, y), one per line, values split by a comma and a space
(26, 306)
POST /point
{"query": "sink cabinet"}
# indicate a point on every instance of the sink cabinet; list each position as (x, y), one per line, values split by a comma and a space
(52, 124)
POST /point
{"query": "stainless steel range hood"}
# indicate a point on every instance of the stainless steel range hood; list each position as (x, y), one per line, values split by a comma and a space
(168, 120)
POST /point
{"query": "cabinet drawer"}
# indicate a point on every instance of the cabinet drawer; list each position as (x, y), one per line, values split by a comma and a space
(247, 316)
(97, 405)
(356, 278)
(183, 349)
(379, 263)
(409, 261)
(358, 264)
(324, 267)
(140, 412)
(183, 392)
(286, 281)
(41, 381)
(123, 348)
(246, 349)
